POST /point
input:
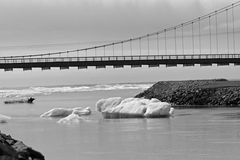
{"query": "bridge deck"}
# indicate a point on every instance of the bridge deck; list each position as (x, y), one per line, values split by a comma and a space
(151, 60)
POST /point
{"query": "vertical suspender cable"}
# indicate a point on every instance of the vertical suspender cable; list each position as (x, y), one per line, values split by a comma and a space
(131, 46)
(210, 34)
(175, 39)
(95, 51)
(104, 51)
(113, 49)
(216, 19)
(233, 21)
(227, 31)
(158, 43)
(122, 47)
(140, 46)
(199, 36)
(193, 37)
(182, 41)
(148, 43)
(85, 52)
(165, 38)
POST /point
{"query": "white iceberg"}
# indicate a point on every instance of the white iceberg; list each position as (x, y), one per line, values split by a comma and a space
(133, 108)
(64, 112)
(73, 118)
(82, 111)
(4, 119)
(103, 104)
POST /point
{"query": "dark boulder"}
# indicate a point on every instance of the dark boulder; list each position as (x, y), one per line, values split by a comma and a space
(11, 149)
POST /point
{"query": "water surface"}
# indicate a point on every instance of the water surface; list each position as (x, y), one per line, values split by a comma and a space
(192, 134)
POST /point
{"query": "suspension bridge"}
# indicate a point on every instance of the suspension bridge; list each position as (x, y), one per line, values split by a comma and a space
(212, 38)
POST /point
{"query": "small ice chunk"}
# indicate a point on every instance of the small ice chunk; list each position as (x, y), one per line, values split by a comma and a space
(104, 104)
(4, 119)
(71, 119)
(82, 111)
(64, 112)
(57, 112)
(158, 109)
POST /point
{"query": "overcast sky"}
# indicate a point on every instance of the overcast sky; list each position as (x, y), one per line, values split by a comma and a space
(40, 22)
(27, 22)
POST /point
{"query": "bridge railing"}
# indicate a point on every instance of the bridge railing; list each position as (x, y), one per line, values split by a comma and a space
(118, 58)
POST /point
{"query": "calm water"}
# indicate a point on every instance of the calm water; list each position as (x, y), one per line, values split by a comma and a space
(192, 134)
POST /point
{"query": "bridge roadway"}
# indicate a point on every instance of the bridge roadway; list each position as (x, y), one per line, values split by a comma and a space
(27, 63)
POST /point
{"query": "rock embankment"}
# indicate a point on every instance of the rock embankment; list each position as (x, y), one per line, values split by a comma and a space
(11, 149)
(218, 92)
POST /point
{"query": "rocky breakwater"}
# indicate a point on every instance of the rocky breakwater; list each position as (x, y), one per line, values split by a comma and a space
(219, 92)
(11, 149)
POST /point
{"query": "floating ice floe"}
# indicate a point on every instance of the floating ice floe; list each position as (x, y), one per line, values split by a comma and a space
(71, 119)
(68, 116)
(64, 112)
(133, 108)
(4, 119)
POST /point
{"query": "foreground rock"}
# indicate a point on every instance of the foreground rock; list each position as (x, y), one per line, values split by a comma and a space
(199, 92)
(133, 108)
(11, 149)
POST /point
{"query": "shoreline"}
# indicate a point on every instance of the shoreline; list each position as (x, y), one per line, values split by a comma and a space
(213, 93)
(203, 106)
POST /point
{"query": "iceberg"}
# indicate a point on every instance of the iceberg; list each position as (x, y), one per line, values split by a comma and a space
(103, 104)
(73, 118)
(82, 111)
(117, 107)
(4, 119)
(64, 112)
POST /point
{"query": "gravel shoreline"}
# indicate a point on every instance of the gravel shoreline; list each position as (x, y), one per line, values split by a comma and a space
(196, 93)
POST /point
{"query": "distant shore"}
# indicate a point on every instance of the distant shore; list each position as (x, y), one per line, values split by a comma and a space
(196, 93)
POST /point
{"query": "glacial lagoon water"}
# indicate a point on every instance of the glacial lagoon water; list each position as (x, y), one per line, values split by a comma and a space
(192, 134)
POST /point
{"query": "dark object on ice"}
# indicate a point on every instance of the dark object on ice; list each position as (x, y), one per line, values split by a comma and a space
(28, 100)
(218, 92)
(11, 149)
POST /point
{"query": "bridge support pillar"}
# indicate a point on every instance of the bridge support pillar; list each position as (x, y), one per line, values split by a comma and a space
(136, 66)
(8, 69)
(63, 68)
(118, 66)
(236, 64)
(205, 64)
(46, 68)
(82, 67)
(222, 64)
(99, 67)
(153, 65)
(188, 65)
(27, 69)
(171, 65)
